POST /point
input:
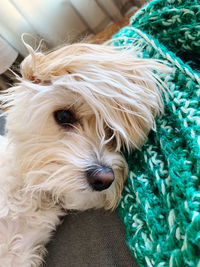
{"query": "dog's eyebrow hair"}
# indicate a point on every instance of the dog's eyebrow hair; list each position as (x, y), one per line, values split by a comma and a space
(78, 98)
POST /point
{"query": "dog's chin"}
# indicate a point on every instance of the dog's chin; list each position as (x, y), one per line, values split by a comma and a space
(83, 200)
(90, 199)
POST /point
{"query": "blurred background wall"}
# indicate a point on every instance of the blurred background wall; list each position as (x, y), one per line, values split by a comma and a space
(55, 22)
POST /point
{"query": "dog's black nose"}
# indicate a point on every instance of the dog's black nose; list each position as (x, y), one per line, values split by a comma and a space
(100, 177)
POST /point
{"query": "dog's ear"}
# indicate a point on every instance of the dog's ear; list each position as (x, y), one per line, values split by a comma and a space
(122, 89)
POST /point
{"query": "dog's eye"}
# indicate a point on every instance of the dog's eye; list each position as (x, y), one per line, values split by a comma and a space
(64, 117)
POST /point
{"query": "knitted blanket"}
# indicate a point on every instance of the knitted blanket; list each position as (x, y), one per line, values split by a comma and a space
(160, 204)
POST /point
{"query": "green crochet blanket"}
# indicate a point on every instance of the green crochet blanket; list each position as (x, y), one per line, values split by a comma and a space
(160, 204)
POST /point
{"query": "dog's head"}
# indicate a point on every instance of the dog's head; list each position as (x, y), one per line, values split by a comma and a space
(71, 113)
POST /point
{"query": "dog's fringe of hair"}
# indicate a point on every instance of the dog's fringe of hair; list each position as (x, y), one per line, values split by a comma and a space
(123, 90)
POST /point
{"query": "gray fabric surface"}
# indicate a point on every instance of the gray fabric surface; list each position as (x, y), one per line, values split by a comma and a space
(94, 238)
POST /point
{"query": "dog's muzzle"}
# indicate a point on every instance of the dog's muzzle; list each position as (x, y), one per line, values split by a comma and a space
(100, 177)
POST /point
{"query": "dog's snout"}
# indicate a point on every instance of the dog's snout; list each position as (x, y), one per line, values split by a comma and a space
(100, 177)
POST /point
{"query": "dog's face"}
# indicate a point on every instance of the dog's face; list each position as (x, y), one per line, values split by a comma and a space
(70, 115)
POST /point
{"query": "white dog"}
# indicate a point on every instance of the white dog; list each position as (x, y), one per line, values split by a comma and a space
(67, 119)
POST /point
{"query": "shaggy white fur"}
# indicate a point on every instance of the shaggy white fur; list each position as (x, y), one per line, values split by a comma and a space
(72, 110)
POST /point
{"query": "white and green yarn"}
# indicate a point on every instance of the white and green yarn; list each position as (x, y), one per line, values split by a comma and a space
(160, 204)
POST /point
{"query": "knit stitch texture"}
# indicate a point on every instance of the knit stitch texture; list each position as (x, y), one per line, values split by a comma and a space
(160, 204)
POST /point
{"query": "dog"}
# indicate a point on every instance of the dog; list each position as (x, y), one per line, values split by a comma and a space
(68, 118)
